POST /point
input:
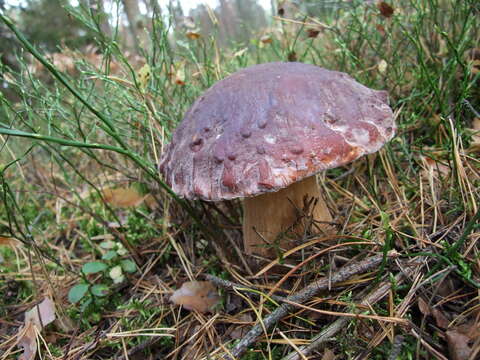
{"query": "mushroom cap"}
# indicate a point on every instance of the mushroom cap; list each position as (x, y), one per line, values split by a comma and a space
(267, 126)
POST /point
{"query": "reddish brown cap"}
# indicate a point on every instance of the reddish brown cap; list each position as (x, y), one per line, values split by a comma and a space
(267, 126)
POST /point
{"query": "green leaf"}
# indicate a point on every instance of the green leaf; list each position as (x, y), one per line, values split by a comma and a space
(129, 266)
(85, 304)
(100, 290)
(77, 292)
(93, 267)
(109, 244)
(109, 255)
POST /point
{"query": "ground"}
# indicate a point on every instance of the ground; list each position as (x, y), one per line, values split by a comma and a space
(87, 222)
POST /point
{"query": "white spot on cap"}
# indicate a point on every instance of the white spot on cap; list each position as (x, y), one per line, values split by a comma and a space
(302, 165)
(361, 136)
(270, 139)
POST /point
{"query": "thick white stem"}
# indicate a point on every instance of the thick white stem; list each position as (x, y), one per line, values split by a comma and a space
(269, 215)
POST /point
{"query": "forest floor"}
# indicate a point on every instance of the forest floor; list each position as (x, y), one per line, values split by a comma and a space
(90, 233)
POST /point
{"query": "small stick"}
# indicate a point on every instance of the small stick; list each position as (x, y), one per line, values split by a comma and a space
(302, 296)
(427, 346)
(373, 297)
(230, 285)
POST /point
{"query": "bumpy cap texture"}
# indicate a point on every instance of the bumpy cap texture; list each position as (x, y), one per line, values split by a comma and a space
(267, 126)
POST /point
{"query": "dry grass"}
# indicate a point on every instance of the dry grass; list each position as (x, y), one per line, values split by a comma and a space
(418, 196)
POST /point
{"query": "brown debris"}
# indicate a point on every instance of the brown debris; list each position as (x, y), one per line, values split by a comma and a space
(385, 9)
(201, 296)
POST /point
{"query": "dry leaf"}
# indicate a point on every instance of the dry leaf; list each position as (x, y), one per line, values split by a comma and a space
(266, 39)
(123, 197)
(312, 33)
(42, 314)
(476, 124)
(440, 318)
(424, 307)
(151, 202)
(434, 168)
(328, 355)
(381, 29)
(196, 295)
(382, 66)
(28, 342)
(180, 75)
(8, 241)
(445, 288)
(471, 329)
(385, 9)
(64, 62)
(458, 345)
(35, 319)
(193, 34)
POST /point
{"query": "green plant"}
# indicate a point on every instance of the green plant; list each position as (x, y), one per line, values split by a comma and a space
(65, 137)
(111, 270)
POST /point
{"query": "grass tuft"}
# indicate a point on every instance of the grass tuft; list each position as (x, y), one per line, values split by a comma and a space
(76, 132)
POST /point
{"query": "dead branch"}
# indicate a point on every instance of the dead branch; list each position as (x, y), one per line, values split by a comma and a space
(373, 297)
(302, 297)
(229, 285)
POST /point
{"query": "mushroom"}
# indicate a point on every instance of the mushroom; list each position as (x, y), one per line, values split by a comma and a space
(263, 133)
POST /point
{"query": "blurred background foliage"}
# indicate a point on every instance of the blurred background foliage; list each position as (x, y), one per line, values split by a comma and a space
(123, 74)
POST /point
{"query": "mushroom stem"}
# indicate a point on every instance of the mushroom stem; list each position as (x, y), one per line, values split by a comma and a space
(267, 216)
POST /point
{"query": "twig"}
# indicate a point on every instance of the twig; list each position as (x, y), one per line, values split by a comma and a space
(427, 346)
(376, 295)
(301, 297)
(230, 285)
(345, 174)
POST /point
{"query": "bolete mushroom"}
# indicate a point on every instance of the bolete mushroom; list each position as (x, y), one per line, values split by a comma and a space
(263, 133)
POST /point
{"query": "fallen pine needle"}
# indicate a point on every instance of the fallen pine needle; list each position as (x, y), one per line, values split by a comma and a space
(303, 296)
